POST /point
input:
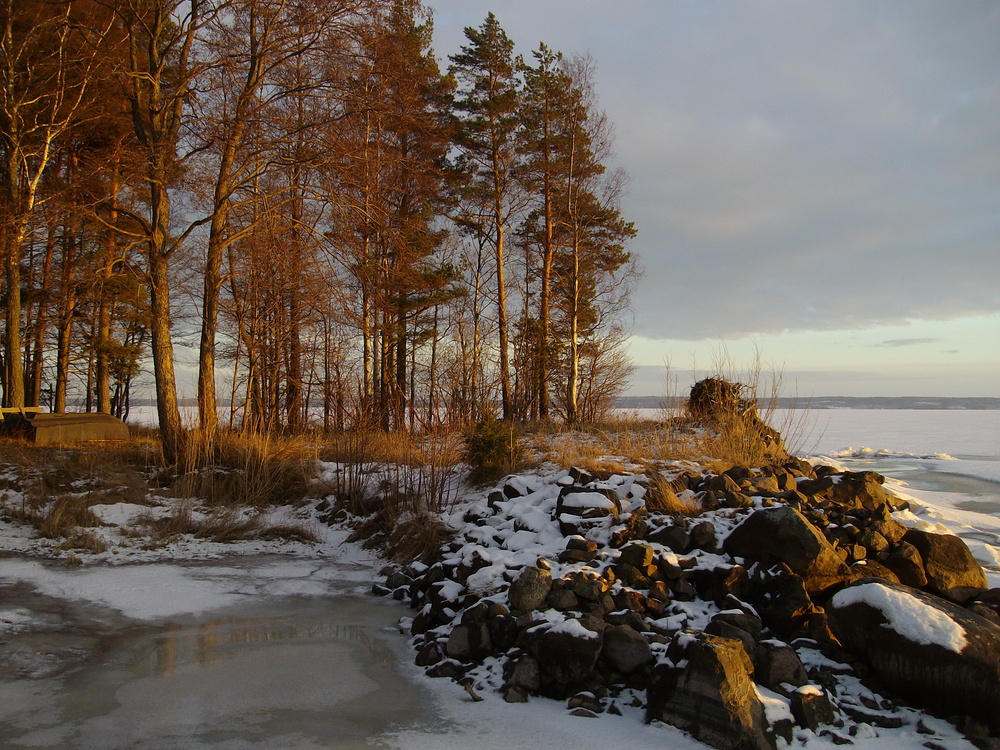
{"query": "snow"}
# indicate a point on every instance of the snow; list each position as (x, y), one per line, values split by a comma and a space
(573, 628)
(587, 500)
(906, 615)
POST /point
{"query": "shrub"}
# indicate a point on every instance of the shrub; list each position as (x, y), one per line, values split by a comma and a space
(493, 449)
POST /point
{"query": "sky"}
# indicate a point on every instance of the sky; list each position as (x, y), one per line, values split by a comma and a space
(815, 185)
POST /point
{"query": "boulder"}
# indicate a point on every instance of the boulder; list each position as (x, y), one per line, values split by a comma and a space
(638, 555)
(929, 650)
(712, 696)
(783, 603)
(951, 570)
(529, 589)
(778, 665)
(905, 561)
(811, 707)
(580, 509)
(625, 650)
(860, 489)
(783, 535)
(469, 642)
(567, 652)
(874, 569)
(525, 674)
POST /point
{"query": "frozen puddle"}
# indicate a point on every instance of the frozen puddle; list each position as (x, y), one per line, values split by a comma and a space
(292, 657)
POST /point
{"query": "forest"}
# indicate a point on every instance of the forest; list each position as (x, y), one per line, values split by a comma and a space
(345, 227)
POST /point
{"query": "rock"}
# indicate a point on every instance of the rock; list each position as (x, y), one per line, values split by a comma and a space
(726, 630)
(776, 665)
(951, 570)
(587, 701)
(633, 601)
(990, 599)
(932, 651)
(625, 650)
(702, 536)
(631, 576)
(633, 526)
(515, 695)
(742, 620)
(428, 655)
(860, 489)
(469, 642)
(892, 530)
(567, 652)
(525, 674)
(811, 487)
(722, 483)
(874, 569)
(637, 555)
(905, 561)
(811, 707)
(712, 696)
(447, 668)
(766, 486)
(783, 603)
(503, 631)
(633, 619)
(660, 591)
(581, 543)
(782, 534)
(674, 537)
(720, 582)
(562, 599)
(529, 589)
(588, 502)
(575, 556)
(873, 542)
(587, 588)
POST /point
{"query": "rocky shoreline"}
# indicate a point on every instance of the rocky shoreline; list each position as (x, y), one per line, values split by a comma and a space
(793, 602)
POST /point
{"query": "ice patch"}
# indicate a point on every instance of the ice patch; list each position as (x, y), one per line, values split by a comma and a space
(866, 452)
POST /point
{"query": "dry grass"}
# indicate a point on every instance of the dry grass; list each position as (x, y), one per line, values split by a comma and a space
(418, 538)
(412, 473)
(245, 469)
(661, 497)
(87, 541)
(615, 446)
(58, 487)
(223, 525)
(64, 516)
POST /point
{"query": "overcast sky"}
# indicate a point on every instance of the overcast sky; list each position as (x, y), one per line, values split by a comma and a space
(816, 180)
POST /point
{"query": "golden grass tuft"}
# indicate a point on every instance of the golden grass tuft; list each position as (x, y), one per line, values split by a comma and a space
(419, 537)
(246, 469)
(661, 497)
(64, 516)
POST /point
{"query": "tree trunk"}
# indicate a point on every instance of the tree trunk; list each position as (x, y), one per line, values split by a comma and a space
(162, 345)
(502, 317)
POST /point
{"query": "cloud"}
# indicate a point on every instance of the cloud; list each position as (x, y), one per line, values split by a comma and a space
(796, 165)
(905, 342)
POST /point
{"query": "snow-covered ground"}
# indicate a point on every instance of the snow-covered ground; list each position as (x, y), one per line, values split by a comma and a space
(189, 585)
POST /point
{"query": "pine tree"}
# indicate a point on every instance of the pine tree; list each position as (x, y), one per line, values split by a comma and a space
(487, 104)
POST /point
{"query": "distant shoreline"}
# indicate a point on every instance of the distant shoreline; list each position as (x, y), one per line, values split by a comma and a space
(834, 402)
